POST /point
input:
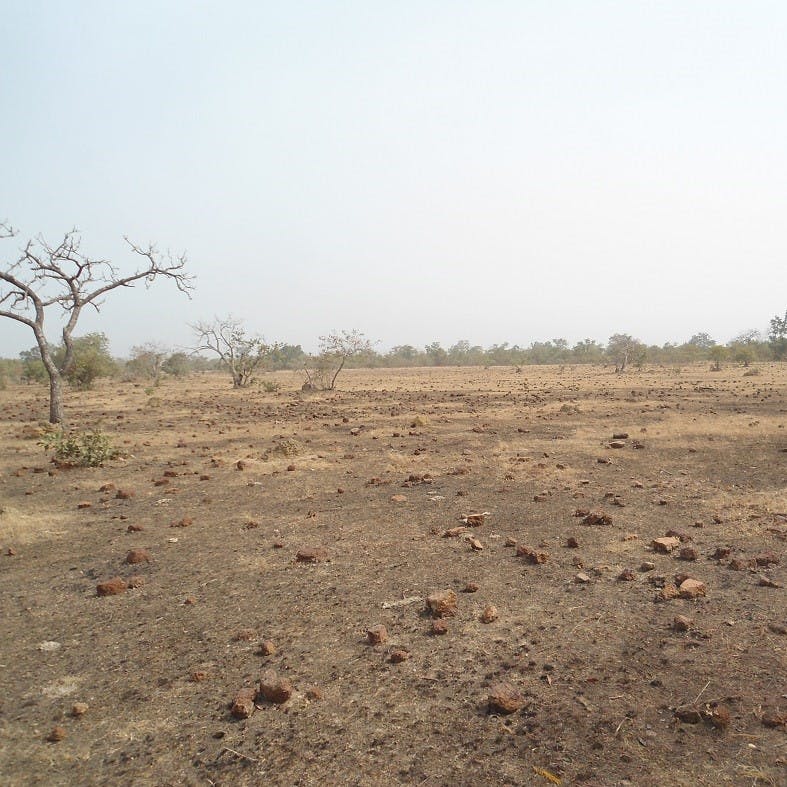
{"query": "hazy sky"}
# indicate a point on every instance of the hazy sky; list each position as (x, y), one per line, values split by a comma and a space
(492, 171)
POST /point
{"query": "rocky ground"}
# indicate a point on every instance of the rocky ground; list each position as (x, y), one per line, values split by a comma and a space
(442, 577)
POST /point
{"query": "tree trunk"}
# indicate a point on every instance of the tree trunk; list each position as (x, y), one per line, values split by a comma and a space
(55, 399)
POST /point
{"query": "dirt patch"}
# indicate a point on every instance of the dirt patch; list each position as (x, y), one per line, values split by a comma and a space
(305, 528)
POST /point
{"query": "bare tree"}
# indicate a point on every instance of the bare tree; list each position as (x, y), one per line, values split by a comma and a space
(623, 349)
(240, 353)
(61, 278)
(335, 350)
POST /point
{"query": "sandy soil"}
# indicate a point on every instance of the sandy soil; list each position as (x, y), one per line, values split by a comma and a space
(608, 685)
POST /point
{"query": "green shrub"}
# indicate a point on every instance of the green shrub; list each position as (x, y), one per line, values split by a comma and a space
(80, 449)
(270, 386)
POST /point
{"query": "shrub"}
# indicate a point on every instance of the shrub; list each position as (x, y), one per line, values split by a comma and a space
(80, 449)
(270, 386)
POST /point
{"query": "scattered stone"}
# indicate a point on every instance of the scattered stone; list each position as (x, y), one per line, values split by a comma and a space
(198, 676)
(617, 444)
(377, 635)
(137, 556)
(778, 628)
(531, 555)
(510, 542)
(84, 504)
(475, 520)
(681, 623)
(572, 543)
(647, 565)
(442, 603)
(314, 693)
(135, 528)
(398, 655)
(721, 553)
(267, 648)
(620, 436)
(187, 521)
(240, 465)
(275, 689)
(135, 582)
(737, 564)
(398, 498)
(124, 494)
(438, 628)
(112, 587)
(475, 544)
(767, 559)
(581, 578)
(767, 582)
(454, 532)
(774, 718)
(667, 593)
(50, 646)
(683, 537)
(243, 703)
(665, 545)
(470, 587)
(490, 614)
(688, 553)
(56, 735)
(720, 717)
(597, 518)
(79, 709)
(311, 555)
(692, 588)
(505, 698)
(627, 575)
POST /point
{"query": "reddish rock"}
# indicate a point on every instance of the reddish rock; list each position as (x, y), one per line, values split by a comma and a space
(627, 575)
(720, 717)
(275, 689)
(124, 494)
(581, 578)
(688, 553)
(438, 628)
(244, 635)
(135, 528)
(767, 559)
(56, 735)
(311, 555)
(137, 556)
(136, 581)
(290, 468)
(681, 623)
(243, 703)
(721, 553)
(572, 543)
(198, 676)
(490, 614)
(597, 518)
(665, 545)
(377, 635)
(187, 521)
(84, 504)
(398, 498)
(454, 532)
(314, 693)
(112, 587)
(267, 648)
(510, 542)
(240, 465)
(470, 587)
(505, 698)
(398, 655)
(668, 592)
(531, 555)
(475, 544)
(692, 588)
(79, 709)
(442, 603)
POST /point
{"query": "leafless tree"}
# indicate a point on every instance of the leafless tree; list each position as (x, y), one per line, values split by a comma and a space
(240, 353)
(335, 350)
(62, 278)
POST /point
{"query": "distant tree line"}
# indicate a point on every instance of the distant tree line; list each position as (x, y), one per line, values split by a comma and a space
(244, 355)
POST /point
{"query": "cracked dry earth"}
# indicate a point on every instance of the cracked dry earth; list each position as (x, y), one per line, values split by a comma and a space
(287, 544)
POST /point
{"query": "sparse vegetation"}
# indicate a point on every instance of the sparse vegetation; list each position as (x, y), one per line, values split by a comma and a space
(79, 449)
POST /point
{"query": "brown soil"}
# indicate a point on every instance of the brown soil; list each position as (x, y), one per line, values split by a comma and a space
(280, 528)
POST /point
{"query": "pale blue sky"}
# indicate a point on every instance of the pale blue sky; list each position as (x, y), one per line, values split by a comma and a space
(495, 171)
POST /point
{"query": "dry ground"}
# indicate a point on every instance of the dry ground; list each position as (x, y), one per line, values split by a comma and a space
(600, 668)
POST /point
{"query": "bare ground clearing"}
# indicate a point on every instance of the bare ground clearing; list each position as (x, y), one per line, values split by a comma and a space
(612, 686)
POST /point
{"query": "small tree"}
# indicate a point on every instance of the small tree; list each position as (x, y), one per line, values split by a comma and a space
(91, 360)
(60, 278)
(335, 350)
(178, 364)
(147, 360)
(624, 349)
(239, 353)
(777, 337)
(717, 354)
